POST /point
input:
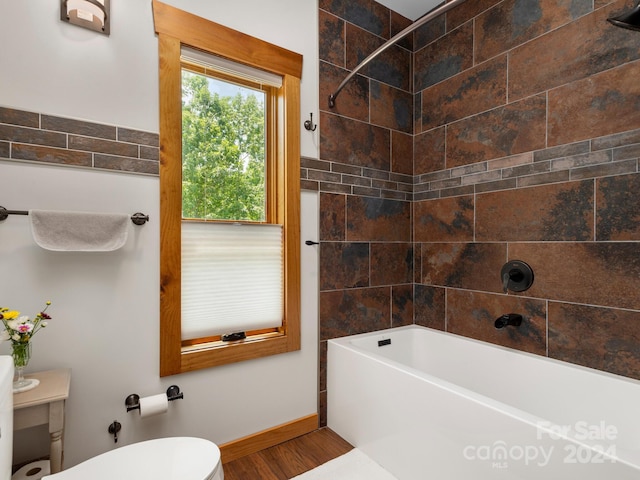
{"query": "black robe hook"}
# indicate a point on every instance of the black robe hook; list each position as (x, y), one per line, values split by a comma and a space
(308, 124)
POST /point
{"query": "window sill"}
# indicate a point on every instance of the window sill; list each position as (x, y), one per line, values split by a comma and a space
(222, 353)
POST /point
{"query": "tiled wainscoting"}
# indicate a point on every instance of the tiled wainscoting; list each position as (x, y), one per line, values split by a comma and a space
(42, 138)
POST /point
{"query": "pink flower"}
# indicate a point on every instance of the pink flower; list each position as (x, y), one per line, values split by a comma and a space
(24, 328)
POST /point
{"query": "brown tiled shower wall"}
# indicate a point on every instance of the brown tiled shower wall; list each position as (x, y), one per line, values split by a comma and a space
(517, 124)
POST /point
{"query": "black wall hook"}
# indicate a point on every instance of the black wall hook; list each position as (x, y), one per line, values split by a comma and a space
(113, 429)
(308, 124)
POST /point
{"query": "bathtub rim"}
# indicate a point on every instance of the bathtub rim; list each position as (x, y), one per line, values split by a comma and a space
(347, 339)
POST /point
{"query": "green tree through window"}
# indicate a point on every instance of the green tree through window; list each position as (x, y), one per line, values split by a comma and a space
(223, 150)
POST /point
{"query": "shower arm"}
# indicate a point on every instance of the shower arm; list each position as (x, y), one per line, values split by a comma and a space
(430, 15)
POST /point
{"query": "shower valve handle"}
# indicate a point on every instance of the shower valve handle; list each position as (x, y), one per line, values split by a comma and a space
(516, 276)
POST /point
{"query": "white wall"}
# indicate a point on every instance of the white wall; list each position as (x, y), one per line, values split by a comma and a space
(105, 305)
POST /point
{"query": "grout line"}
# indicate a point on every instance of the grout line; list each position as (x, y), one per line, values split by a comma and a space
(547, 326)
(595, 209)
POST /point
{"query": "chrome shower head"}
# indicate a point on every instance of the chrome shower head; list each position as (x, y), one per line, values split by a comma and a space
(629, 20)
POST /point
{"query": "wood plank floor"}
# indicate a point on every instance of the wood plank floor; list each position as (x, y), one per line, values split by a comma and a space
(288, 459)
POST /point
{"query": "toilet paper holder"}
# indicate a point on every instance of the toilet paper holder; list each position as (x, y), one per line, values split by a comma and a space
(132, 402)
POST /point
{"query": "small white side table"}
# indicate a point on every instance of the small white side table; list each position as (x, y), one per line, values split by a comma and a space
(45, 405)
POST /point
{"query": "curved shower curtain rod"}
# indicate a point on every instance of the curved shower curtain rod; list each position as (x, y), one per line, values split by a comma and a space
(430, 15)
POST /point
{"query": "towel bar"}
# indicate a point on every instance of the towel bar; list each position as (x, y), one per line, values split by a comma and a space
(137, 218)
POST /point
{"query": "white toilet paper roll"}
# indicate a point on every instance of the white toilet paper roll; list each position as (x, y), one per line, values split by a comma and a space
(32, 471)
(154, 405)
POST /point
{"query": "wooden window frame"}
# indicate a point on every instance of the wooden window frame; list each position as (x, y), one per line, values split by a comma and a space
(176, 28)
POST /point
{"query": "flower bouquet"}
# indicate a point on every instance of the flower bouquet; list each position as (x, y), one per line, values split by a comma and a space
(19, 330)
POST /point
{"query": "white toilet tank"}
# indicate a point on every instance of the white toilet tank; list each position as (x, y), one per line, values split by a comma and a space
(6, 416)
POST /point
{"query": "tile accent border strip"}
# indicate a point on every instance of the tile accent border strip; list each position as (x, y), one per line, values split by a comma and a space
(336, 177)
(616, 154)
(40, 138)
(610, 155)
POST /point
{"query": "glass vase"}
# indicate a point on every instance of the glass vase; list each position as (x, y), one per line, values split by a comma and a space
(21, 353)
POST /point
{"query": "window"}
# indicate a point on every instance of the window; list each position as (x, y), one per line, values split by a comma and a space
(228, 205)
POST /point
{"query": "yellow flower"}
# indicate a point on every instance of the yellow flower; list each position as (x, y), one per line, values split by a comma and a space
(11, 314)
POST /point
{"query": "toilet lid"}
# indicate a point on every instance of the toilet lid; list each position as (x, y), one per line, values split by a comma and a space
(179, 458)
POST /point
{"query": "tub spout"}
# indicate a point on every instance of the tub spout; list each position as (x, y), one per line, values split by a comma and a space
(514, 319)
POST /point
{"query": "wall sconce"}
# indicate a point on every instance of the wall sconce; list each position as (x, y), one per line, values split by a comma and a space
(91, 14)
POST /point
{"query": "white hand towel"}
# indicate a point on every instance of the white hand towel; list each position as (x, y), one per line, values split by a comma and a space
(79, 231)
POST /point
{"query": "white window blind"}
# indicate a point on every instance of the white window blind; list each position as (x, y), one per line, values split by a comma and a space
(219, 64)
(232, 278)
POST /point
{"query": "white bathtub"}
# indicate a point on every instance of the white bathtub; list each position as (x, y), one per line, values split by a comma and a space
(433, 405)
